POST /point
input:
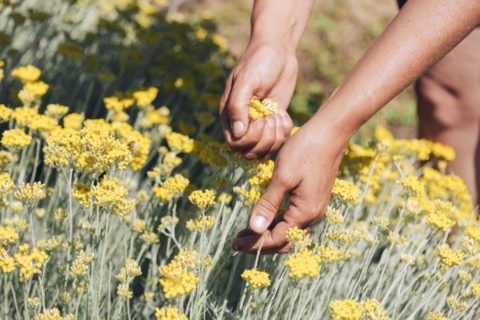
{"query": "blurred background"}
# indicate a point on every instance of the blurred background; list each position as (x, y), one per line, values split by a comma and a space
(337, 35)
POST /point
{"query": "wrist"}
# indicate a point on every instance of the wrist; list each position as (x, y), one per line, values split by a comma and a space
(333, 122)
(280, 44)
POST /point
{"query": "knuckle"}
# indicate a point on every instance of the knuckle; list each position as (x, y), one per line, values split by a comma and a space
(265, 205)
(283, 177)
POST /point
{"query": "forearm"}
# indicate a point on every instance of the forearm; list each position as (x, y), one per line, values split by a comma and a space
(280, 21)
(422, 33)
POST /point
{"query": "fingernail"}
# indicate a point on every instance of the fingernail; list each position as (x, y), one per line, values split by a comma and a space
(237, 128)
(259, 223)
(271, 122)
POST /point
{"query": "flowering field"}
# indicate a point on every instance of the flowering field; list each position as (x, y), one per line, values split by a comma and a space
(118, 199)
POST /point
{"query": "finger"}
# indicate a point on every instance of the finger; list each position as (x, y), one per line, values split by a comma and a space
(270, 241)
(238, 106)
(266, 208)
(251, 138)
(266, 141)
(280, 137)
(223, 110)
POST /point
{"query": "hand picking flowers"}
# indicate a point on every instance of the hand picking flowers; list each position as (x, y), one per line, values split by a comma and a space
(118, 199)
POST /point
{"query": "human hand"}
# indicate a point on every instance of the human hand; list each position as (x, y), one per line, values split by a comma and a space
(264, 71)
(305, 169)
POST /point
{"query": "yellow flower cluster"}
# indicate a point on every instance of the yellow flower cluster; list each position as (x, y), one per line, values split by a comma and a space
(450, 257)
(27, 73)
(79, 266)
(201, 223)
(112, 196)
(15, 139)
(94, 151)
(299, 237)
(348, 309)
(31, 192)
(29, 261)
(144, 98)
(53, 314)
(261, 109)
(5, 113)
(6, 183)
(178, 277)
(172, 187)
(256, 279)
(303, 264)
(130, 269)
(202, 199)
(179, 142)
(345, 191)
(169, 313)
(258, 176)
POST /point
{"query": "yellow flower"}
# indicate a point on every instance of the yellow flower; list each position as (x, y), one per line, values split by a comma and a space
(372, 310)
(32, 92)
(333, 217)
(29, 263)
(456, 304)
(145, 98)
(34, 302)
(169, 313)
(299, 237)
(31, 192)
(330, 254)
(172, 187)
(130, 269)
(73, 121)
(178, 277)
(175, 281)
(111, 195)
(15, 138)
(443, 151)
(56, 110)
(5, 113)
(138, 225)
(124, 292)
(179, 142)
(117, 104)
(149, 237)
(168, 222)
(256, 279)
(346, 191)
(6, 183)
(261, 109)
(53, 314)
(8, 236)
(80, 264)
(303, 264)
(450, 257)
(346, 310)
(202, 223)
(475, 289)
(24, 115)
(7, 263)
(413, 185)
(202, 199)
(27, 73)
(439, 217)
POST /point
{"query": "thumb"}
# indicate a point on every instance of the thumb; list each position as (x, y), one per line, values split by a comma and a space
(266, 208)
(238, 107)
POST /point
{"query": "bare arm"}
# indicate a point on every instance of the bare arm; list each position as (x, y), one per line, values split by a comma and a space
(422, 33)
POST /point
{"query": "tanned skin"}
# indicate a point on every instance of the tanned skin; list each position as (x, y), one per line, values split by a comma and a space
(421, 34)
